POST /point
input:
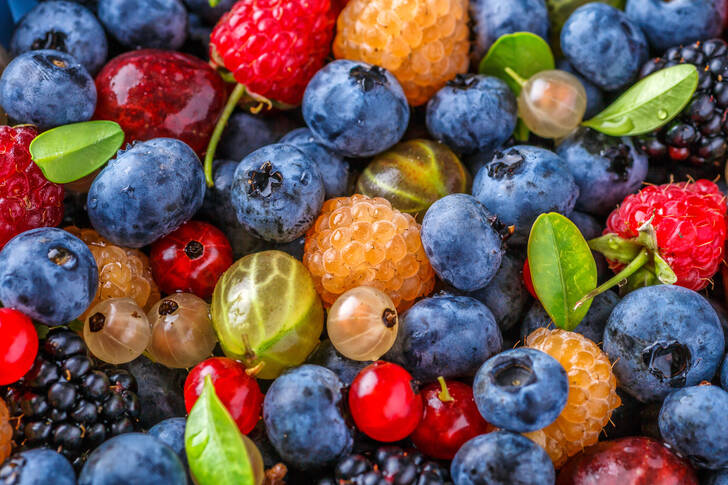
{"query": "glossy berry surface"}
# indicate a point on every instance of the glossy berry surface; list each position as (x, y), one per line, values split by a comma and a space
(155, 93)
(552, 103)
(18, 345)
(191, 259)
(37, 466)
(116, 330)
(29, 200)
(449, 420)
(237, 390)
(384, 402)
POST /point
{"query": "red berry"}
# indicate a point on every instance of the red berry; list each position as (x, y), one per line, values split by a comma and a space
(18, 345)
(191, 259)
(383, 402)
(27, 199)
(449, 420)
(527, 279)
(153, 93)
(238, 391)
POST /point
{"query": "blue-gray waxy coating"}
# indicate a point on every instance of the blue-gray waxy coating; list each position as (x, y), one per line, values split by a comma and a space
(693, 422)
(327, 356)
(303, 417)
(146, 192)
(523, 182)
(604, 45)
(245, 133)
(430, 330)
(38, 466)
(133, 458)
(677, 22)
(717, 478)
(333, 168)
(521, 390)
(674, 328)
(605, 168)
(47, 88)
(494, 18)
(277, 192)
(159, 389)
(506, 295)
(355, 109)
(53, 293)
(592, 326)
(502, 458)
(172, 433)
(724, 374)
(472, 113)
(594, 96)
(204, 10)
(63, 26)
(160, 24)
(461, 243)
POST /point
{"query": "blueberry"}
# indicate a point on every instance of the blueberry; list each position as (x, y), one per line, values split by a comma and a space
(605, 168)
(717, 478)
(210, 14)
(161, 24)
(594, 96)
(494, 18)
(472, 113)
(522, 182)
(63, 26)
(303, 418)
(521, 390)
(677, 22)
(333, 168)
(447, 336)
(37, 466)
(171, 432)
(724, 374)
(592, 326)
(475, 161)
(48, 274)
(277, 192)
(159, 390)
(355, 109)
(661, 338)
(146, 192)
(692, 421)
(601, 43)
(506, 295)
(133, 458)
(47, 88)
(464, 248)
(589, 227)
(245, 133)
(327, 356)
(502, 458)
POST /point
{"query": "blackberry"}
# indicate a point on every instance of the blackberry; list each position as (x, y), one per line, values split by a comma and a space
(698, 134)
(387, 465)
(68, 404)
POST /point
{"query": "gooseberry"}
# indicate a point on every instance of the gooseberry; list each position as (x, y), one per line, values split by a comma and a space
(116, 330)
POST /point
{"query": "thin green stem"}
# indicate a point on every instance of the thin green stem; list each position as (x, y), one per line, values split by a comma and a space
(444, 392)
(640, 260)
(515, 76)
(219, 128)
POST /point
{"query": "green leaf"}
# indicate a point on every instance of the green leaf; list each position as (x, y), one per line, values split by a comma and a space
(214, 3)
(214, 445)
(651, 103)
(616, 248)
(562, 268)
(521, 132)
(524, 52)
(70, 152)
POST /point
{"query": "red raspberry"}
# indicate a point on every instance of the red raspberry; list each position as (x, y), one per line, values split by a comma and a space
(689, 221)
(27, 199)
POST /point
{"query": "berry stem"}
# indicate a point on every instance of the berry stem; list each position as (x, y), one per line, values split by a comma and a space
(219, 128)
(640, 260)
(444, 395)
(515, 76)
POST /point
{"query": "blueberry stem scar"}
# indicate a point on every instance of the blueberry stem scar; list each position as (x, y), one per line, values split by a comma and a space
(515, 76)
(640, 260)
(219, 128)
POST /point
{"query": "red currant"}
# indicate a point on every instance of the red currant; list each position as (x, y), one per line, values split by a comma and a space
(191, 259)
(384, 403)
(18, 345)
(527, 279)
(238, 391)
(450, 419)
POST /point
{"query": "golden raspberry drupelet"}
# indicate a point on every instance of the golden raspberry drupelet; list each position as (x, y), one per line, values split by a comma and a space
(6, 432)
(592, 393)
(123, 272)
(362, 241)
(424, 43)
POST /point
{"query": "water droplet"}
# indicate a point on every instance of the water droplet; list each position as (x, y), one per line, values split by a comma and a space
(662, 114)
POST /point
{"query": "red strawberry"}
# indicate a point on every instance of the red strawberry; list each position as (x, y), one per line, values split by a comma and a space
(27, 199)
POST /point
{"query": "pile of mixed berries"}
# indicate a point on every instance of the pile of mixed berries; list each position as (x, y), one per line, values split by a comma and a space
(363, 242)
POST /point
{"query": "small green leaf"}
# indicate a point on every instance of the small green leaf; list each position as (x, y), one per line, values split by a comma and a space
(562, 268)
(214, 3)
(524, 52)
(616, 248)
(651, 103)
(214, 445)
(70, 152)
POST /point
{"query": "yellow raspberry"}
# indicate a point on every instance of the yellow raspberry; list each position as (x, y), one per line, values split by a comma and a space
(362, 241)
(6, 432)
(424, 43)
(123, 272)
(592, 393)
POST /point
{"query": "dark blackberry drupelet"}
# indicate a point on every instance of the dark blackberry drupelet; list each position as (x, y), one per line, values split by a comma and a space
(698, 135)
(67, 404)
(387, 465)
